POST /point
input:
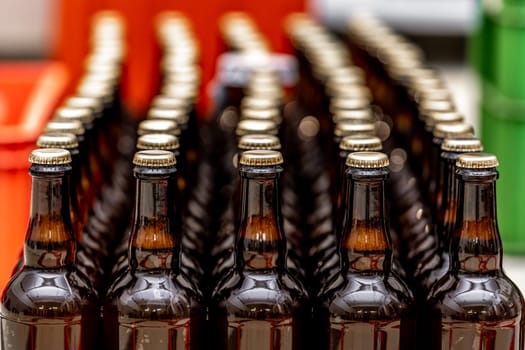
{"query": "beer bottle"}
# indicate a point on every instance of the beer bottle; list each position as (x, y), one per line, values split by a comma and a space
(152, 305)
(475, 304)
(259, 305)
(367, 305)
(152, 126)
(49, 304)
(145, 142)
(75, 127)
(99, 171)
(440, 132)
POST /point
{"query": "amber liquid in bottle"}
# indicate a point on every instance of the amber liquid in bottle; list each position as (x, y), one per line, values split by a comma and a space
(475, 305)
(259, 305)
(49, 304)
(366, 306)
(152, 305)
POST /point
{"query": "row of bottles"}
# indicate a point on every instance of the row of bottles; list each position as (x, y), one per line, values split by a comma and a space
(278, 224)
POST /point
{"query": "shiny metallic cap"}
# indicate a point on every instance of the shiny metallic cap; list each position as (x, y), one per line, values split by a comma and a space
(169, 102)
(50, 156)
(83, 115)
(251, 142)
(433, 93)
(254, 126)
(271, 114)
(477, 161)
(433, 118)
(462, 145)
(364, 115)
(252, 102)
(338, 90)
(350, 127)
(261, 158)
(62, 126)
(158, 141)
(361, 143)
(348, 103)
(427, 106)
(451, 130)
(180, 116)
(84, 102)
(154, 158)
(57, 140)
(158, 126)
(367, 160)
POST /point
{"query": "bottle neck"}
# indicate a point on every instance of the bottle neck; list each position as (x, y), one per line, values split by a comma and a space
(153, 244)
(446, 214)
(49, 239)
(260, 243)
(365, 243)
(476, 243)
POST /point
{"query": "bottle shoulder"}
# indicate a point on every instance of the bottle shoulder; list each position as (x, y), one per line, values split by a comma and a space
(476, 297)
(367, 295)
(48, 293)
(160, 293)
(251, 294)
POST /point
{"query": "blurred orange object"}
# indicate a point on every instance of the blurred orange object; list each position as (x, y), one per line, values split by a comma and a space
(143, 53)
(29, 92)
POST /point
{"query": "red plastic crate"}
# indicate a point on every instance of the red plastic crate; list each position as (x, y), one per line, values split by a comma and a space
(29, 92)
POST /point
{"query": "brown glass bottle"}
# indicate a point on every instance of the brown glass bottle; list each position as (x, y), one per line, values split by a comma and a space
(152, 305)
(475, 305)
(49, 304)
(367, 306)
(259, 305)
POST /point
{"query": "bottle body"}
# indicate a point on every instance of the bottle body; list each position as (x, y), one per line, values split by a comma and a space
(48, 303)
(152, 304)
(259, 304)
(475, 303)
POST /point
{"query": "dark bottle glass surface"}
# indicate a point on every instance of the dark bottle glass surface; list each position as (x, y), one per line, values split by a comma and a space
(475, 305)
(152, 305)
(49, 304)
(259, 305)
(366, 306)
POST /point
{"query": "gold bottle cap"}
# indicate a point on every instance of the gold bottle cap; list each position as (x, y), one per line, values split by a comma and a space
(158, 141)
(451, 130)
(271, 114)
(361, 143)
(158, 126)
(154, 158)
(261, 158)
(367, 160)
(339, 90)
(433, 118)
(252, 102)
(352, 127)
(364, 114)
(346, 75)
(477, 161)
(433, 93)
(348, 103)
(169, 102)
(180, 116)
(57, 140)
(274, 92)
(462, 145)
(83, 115)
(251, 142)
(84, 102)
(50, 156)
(65, 126)
(254, 126)
(187, 91)
(427, 106)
